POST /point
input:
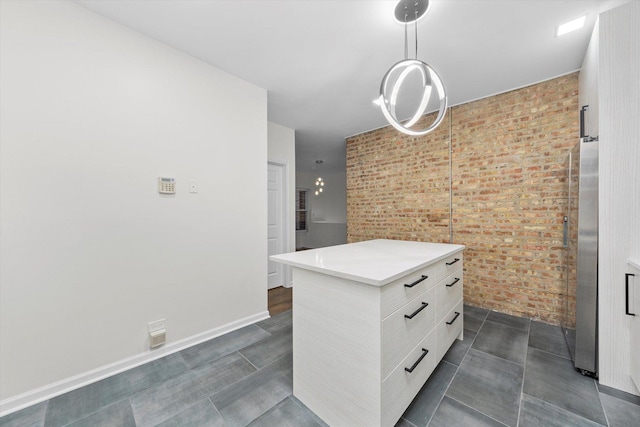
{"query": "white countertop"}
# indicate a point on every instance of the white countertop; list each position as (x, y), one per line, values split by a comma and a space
(374, 262)
(634, 262)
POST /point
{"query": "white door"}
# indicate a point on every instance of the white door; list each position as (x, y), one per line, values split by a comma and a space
(275, 223)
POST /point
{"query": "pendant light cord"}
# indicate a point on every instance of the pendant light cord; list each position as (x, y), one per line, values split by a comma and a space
(406, 38)
(406, 43)
(416, 26)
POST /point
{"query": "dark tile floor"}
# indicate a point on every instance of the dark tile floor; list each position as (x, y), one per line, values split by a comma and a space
(507, 371)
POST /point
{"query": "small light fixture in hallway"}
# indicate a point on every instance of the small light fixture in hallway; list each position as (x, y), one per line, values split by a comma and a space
(319, 180)
(407, 11)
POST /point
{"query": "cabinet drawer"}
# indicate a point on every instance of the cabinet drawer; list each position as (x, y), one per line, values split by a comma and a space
(400, 292)
(451, 264)
(448, 293)
(405, 328)
(399, 389)
(448, 329)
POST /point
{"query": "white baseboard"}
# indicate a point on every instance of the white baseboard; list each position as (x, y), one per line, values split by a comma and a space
(21, 401)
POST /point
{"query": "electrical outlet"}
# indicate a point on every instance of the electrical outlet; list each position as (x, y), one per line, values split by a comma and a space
(157, 338)
(193, 187)
(156, 325)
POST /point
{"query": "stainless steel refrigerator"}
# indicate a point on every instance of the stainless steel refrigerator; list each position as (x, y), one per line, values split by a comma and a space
(582, 256)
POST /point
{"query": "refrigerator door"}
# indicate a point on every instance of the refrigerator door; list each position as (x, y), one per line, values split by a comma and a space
(587, 261)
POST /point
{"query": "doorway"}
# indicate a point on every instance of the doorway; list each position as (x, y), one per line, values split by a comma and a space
(276, 222)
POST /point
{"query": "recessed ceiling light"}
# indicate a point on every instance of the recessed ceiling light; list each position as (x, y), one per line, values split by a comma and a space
(576, 24)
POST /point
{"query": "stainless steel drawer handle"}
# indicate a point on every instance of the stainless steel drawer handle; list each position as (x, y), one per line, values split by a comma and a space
(453, 262)
(626, 284)
(453, 283)
(411, 285)
(424, 353)
(412, 315)
(454, 318)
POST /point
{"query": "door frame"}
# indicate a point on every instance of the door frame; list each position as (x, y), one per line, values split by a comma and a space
(287, 218)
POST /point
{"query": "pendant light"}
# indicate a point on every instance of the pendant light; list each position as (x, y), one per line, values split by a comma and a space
(319, 181)
(408, 11)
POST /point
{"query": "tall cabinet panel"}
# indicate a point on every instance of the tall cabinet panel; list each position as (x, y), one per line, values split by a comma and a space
(632, 284)
(619, 195)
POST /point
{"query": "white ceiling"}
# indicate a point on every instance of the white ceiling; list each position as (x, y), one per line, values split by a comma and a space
(322, 61)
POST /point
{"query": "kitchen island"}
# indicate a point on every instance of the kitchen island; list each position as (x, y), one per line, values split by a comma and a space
(371, 321)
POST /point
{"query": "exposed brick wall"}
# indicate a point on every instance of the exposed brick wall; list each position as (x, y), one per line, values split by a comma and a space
(509, 181)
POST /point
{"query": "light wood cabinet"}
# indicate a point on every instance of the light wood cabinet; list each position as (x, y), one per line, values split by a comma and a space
(632, 285)
(361, 352)
(618, 93)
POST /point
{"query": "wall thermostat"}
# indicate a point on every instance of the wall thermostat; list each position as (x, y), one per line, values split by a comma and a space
(166, 185)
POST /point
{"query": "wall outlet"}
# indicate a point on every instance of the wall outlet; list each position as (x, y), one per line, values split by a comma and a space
(193, 187)
(156, 325)
(157, 338)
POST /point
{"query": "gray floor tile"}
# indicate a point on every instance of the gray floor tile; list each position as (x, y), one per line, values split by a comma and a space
(217, 384)
(171, 397)
(553, 379)
(620, 413)
(165, 400)
(254, 395)
(509, 320)
(548, 338)
(570, 337)
(490, 385)
(315, 417)
(631, 398)
(503, 341)
(214, 377)
(286, 414)
(473, 317)
(426, 402)
(79, 403)
(33, 416)
(202, 414)
(215, 348)
(277, 322)
(117, 415)
(404, 423)
(269, 349)
(535, 413)
(459, 348)
(452, 413)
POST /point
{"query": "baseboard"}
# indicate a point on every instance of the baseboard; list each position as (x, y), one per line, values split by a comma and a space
(24, 400)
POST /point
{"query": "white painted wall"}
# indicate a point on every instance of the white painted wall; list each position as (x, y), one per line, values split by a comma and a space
(91, 114)
(327, 225)
(282, 149)
(619, 186)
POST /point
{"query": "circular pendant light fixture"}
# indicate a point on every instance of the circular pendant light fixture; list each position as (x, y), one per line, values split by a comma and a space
(407, 11)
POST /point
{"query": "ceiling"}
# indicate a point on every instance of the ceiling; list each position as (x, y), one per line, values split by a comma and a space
(322, 61)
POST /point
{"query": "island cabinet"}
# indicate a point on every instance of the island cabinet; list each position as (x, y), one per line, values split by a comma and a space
(371, 321)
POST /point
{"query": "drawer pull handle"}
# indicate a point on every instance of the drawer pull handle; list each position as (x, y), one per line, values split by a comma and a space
(412, 315)
(424, 353)
(453, 283)
(626, 284)
(453, 262)
(454, 318)
(411, 285)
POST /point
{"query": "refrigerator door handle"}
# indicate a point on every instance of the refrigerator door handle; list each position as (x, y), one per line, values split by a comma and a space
(582, 120)
(626, 294)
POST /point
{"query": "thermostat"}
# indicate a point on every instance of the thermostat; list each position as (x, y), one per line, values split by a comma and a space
(166, 185)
